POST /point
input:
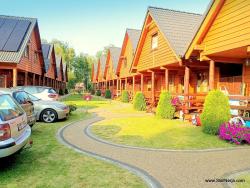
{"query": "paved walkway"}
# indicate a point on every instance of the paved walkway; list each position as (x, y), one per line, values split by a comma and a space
(169, 168)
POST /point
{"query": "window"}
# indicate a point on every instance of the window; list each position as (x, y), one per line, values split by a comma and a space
(154, 42)
(8, 108)
(21, 97)
(26, 51)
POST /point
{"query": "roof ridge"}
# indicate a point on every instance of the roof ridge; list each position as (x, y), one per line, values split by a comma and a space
(174, 10)
(133, 29)
(22, 17)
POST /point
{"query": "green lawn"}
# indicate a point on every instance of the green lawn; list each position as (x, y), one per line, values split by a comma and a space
(151, 132)
(50, 164)
(246, 177)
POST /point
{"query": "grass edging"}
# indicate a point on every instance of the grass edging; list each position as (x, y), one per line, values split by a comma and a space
(90, 134)
(148, 179)
(234, 175)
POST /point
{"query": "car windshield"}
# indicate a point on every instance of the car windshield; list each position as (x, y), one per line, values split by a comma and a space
(33, 98)
(8, 108)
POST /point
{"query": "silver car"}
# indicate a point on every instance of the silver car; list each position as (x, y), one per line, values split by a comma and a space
(49, 111)
(14, 130)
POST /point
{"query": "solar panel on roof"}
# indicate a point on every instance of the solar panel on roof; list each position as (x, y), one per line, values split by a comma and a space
(1, 22)
(14, 42)
(5, 31)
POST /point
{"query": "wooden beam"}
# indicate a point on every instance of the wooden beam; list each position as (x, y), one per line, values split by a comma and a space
(211, 74)
(14, 77)
(186, 80)
(117, 86)
(248, 49)
(126, 82)
(166, 79)
(133, 86)
(142, 82)
(34, 79)
(26, 78)
(199, 47)
(153, 87)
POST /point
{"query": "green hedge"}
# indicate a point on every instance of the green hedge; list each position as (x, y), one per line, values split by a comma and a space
(108, 94)
(125, 96)
(66, 91)
(165, 109)
(139, 102)
(216, 112)
(61, 92)
(98, 92)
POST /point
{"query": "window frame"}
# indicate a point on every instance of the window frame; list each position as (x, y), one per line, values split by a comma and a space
(153, 36)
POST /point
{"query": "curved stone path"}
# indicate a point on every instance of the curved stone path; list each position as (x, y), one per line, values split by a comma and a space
(158, 168)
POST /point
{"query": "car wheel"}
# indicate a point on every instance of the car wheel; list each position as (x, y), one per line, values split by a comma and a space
(49, 116)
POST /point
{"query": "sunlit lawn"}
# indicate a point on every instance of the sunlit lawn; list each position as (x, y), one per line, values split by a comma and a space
(151, 132)
(246, 177)
(51, 164)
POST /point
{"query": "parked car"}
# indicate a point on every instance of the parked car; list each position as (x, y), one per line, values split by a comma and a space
(23, 99)
(14, 130)
(49, 111)
(42, 92)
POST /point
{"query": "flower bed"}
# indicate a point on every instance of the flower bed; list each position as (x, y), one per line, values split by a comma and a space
(235, 132)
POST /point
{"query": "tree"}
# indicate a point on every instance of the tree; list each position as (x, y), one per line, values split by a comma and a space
(67, 53)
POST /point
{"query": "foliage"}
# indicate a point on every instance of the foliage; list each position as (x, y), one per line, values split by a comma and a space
(61, 92)
(108, 94)
(125, 96)
(216, 111)
(165, 109)
(104, 51)
(72, 107)
(92, 91)
(98, 92)
(66, 91)
(139, 102)
(234, 132)
(63, 49)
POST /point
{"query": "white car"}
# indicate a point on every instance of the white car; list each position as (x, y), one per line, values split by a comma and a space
(14, 130)
(41, 92)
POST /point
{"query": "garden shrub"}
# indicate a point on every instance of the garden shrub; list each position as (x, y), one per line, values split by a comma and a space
(72, 107)
(165, 108)
(125, 97)
(235, 132)
(216, 111)
(98, 92)
(139, 102)
(108, 94)
(92, 91)
(66, 91)
(61, 92)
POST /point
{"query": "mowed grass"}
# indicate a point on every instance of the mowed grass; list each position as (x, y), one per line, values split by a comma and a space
(152, 132)
(51, 164)
(246, 177)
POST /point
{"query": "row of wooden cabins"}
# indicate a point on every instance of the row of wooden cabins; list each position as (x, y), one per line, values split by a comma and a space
(24, 60)
(185, 53)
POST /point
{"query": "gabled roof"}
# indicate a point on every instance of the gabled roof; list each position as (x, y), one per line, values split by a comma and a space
(47, 49)
(58, 64)
(178, 27)
(114, 55)
(15, 33)
(65, 72)
(134, 35)
(209, 16)
(102, 63)
(94, 71)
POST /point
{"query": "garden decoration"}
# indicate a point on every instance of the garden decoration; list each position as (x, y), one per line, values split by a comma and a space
(87, 97)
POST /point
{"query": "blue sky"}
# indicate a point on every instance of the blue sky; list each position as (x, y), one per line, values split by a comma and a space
(89, 25)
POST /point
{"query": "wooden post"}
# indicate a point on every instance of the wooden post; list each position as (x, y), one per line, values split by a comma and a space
(153, 87)
(142, 82)
(166, 79)
(126, 80)
(39, 80)
(117, 87)
(186, 85)
(186, 80)
(14, 77)
(26, 78)
(34, 79)
(133, 86)
(120, 86)
(211, 74)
